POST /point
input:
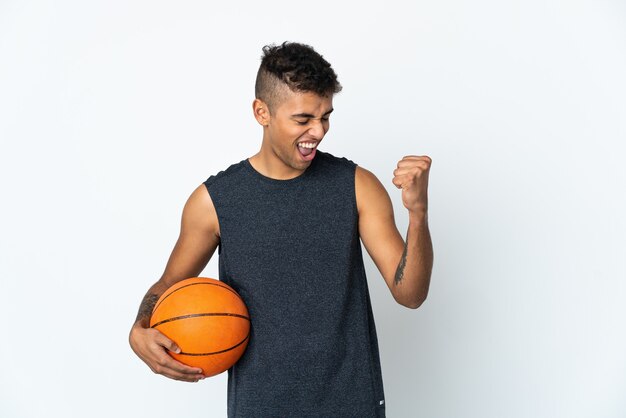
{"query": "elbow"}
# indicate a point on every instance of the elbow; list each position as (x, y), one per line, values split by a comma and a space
(412, 303)
(415, 304)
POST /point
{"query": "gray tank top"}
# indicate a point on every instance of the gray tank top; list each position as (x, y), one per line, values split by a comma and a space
(291, 249)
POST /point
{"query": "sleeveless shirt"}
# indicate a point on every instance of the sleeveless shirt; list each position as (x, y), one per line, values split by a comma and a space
(291, 249)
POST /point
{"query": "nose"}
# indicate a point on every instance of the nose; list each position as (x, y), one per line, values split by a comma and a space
(317, 129)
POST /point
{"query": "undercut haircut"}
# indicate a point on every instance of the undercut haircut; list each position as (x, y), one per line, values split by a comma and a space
(297, 67)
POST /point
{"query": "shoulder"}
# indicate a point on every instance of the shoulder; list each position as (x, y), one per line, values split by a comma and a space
(199, 212)
(365, 179)
(368, 189)
(365, 182)
(225, 176)
(327, 166)
(328, 159)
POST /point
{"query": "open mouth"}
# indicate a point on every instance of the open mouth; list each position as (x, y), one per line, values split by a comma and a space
(307, 150)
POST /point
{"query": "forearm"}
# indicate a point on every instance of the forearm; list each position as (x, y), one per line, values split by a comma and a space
(412, 278)
(147, 304)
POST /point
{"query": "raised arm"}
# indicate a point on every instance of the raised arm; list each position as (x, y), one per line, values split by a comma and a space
(405, 266)
(198, 239)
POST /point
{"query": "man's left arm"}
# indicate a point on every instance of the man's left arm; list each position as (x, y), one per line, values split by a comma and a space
(405, 266)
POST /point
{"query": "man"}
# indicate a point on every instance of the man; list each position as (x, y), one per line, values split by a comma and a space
(289, 222)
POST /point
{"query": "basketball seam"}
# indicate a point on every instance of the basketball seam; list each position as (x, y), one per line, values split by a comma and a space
(215, 352)
(222, 285)
(177, 318)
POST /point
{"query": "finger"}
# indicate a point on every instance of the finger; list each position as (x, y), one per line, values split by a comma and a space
(418, 158)
(409, 171)
(183, 377)
(165, 342)
(174, 369)
(413, 163)
(165, 359)
(399, 181)
(408, 160)
(173, 374)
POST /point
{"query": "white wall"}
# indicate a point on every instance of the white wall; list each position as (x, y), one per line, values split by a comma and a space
(112, 112)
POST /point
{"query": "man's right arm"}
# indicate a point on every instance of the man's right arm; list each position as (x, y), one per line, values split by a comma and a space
(199, 237)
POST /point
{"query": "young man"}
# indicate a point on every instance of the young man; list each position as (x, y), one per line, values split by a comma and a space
(289, 222)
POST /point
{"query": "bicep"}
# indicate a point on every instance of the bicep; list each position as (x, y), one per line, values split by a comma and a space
(198, 239)
(377, 226)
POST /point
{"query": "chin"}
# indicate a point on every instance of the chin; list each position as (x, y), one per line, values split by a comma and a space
(304, 164)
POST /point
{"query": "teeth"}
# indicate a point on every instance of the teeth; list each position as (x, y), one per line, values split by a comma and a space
(307, 144)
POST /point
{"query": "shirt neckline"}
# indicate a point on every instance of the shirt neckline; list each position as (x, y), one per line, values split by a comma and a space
(251, 169)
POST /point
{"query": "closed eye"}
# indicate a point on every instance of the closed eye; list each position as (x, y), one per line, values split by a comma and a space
(306, 121)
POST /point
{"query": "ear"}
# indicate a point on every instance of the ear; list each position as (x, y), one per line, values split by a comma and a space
(261, 112)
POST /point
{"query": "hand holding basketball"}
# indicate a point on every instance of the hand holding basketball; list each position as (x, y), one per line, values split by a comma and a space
(209, 322)
(207, 319)
(152, 347)
(411, 176)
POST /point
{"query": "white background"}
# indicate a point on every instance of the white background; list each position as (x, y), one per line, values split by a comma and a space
(112, 112)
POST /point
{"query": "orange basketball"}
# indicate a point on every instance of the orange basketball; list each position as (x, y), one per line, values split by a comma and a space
(207, 319)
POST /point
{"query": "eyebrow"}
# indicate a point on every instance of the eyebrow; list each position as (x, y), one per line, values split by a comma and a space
(310, 116)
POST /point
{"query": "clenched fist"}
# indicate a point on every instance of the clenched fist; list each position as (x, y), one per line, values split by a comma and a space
(412, 177)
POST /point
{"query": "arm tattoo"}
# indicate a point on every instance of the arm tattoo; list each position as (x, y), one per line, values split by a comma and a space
(146, 307)
(400, 271)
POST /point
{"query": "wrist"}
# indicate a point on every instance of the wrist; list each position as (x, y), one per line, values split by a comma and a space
(141, 323)
(418, 217)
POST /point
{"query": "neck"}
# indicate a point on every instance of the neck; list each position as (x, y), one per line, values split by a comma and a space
(269, 165)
